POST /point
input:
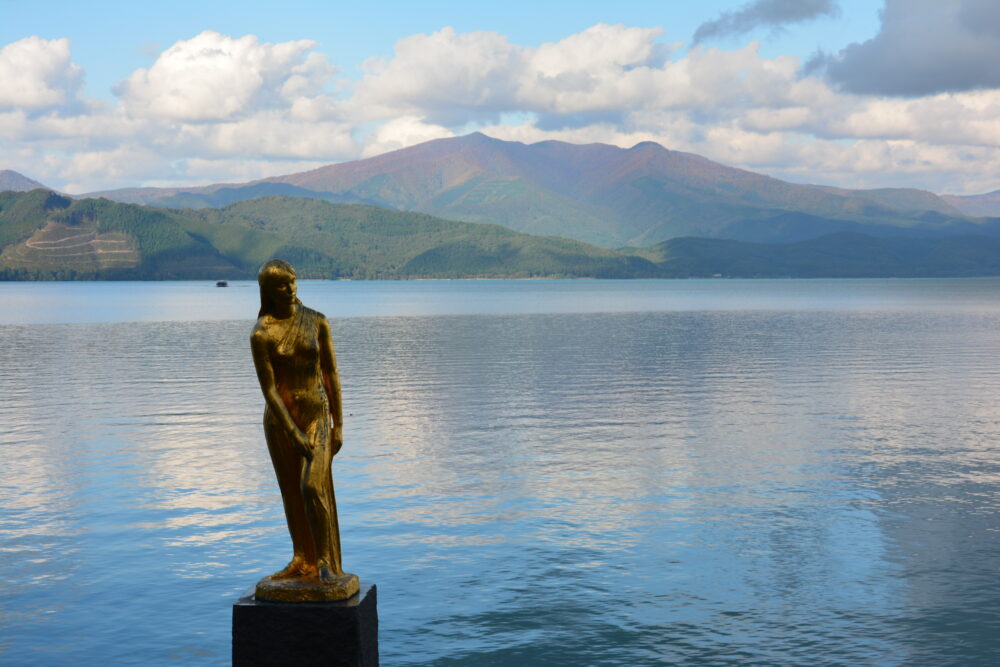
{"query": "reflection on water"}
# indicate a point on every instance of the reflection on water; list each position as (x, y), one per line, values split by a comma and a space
(761, 486)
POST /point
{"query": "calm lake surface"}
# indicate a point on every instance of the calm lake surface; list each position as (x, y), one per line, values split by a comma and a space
(534, 472)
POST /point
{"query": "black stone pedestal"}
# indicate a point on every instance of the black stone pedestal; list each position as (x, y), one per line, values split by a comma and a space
(306, 633)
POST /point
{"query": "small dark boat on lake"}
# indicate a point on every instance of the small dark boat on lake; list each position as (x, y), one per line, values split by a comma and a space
(221, 283)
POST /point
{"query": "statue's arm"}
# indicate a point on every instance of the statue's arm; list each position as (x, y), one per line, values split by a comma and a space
(265, 375)
(331, 382)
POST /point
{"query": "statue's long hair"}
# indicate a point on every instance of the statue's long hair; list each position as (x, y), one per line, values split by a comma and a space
(276, 268)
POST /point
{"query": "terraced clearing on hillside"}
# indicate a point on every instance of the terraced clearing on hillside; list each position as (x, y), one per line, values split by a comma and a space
(79, 247)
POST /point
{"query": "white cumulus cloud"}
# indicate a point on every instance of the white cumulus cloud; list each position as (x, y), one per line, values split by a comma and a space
(446, 75)
(37, 74)
(453, 78)
(214, 77)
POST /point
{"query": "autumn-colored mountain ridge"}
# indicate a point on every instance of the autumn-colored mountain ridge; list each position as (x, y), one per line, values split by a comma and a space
(984, 205)
(597, 193)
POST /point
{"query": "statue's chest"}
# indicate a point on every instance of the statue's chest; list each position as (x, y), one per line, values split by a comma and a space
(296, 345)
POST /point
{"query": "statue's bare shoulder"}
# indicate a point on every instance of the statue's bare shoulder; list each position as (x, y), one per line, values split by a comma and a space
(317, 319)
(315, 314)
(259, 335)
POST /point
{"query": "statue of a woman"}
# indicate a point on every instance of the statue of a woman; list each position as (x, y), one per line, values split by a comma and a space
(303, 421)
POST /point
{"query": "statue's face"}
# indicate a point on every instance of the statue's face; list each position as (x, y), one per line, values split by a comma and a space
(282, 289)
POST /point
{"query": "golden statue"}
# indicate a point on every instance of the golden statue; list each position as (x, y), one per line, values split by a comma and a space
(303, 422)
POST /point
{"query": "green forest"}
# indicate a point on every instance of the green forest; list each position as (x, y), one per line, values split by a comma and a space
(46, 236)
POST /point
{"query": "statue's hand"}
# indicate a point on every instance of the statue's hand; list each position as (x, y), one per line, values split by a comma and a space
(336, 439)
(302, 443)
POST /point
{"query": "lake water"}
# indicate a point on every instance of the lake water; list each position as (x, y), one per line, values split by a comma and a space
(534, 472)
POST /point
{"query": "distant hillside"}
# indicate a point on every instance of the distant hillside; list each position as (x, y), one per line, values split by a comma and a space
(46, 236)
(11, 180)
(597, 193)
(351, 240)
(790, 227)
(986, 205)
(840, 255)
(216, 195)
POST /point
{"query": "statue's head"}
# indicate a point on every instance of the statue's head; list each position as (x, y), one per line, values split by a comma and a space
(273, 274)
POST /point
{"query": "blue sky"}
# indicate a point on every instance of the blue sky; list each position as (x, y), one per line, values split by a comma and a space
(844, 92)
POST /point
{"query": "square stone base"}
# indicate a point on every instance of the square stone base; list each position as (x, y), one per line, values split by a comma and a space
(306, 633)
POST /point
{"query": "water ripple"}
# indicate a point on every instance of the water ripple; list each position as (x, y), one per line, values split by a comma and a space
(705, 487)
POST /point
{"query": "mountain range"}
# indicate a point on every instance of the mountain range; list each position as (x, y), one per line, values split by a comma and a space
(44, 235)
(600, 194)
(477, 206)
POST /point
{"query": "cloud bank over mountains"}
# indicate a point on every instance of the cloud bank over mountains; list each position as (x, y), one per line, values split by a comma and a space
(918, 104)
(924, 47)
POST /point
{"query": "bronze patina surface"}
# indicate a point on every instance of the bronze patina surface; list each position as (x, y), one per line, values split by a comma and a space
(303, 425)
(307, 589)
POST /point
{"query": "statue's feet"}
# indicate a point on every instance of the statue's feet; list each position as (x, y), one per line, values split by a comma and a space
(327, 575)
(323, 586)
(297, 567)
